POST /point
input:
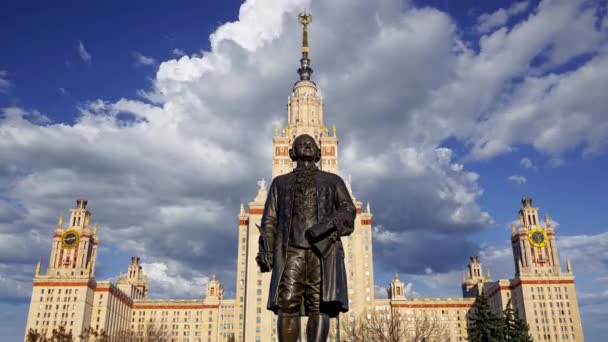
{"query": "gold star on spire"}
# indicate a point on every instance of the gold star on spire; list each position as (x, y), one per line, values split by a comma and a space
(305, 70)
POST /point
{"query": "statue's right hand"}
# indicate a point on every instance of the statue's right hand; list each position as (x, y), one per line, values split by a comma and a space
(263, 262)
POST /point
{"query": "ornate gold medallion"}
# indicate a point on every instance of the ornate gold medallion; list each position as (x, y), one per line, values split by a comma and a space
(537, 237)
(70, 238)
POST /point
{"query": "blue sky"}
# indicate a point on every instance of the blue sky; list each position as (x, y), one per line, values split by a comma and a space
(161, 115)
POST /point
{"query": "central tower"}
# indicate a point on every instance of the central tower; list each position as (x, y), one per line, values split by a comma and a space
(304, 116)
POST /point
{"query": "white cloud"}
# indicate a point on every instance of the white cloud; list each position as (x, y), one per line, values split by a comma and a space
(178, 52)
(143, 60)
(5, 84)
(589, 253)
(489, 21)
(165, 179)
(258, 23)
(442, 282)
(526, 163)
(169, 282)
(16, 280)
(517, 179)
(83, 53)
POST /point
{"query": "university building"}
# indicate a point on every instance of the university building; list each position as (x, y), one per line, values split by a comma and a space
(68, 293)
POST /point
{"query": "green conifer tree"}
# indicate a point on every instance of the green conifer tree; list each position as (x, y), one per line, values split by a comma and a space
(485, 325)
(509, 322)
(515, 328)
(522, 330)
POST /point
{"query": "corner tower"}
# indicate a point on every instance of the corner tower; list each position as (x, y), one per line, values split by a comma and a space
(63, 295)
(543, 294)
(473, 279)
(534, 247)
(74, 248)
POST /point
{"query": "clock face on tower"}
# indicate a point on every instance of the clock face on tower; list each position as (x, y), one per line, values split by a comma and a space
(70, 239)
(537, 237)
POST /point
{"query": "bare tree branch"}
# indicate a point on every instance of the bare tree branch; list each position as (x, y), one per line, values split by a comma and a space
(393, 326)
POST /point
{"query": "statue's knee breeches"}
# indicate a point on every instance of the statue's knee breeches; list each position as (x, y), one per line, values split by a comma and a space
(300, 281)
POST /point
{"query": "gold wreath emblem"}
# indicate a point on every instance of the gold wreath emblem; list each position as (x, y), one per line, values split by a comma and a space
(70, 238)
(538, 237)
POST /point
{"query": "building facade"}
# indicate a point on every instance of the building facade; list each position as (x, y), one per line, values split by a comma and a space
(68, 294)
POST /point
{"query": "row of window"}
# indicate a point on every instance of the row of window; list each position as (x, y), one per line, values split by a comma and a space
(51, 291)
(47, 323)
(50, 307)
(50, 299)
(564, 336)
(48, 314)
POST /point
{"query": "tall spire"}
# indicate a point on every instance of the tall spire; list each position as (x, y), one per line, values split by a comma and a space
(305, 70)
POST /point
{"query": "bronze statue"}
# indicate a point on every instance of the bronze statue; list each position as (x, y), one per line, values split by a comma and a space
(306, 213)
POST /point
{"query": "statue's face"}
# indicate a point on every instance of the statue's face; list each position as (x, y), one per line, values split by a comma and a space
(305, 147)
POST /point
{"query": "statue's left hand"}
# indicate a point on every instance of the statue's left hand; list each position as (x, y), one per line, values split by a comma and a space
(320, 230)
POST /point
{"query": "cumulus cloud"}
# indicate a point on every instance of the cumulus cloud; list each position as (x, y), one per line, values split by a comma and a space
(5, 84)
(174, 282)
(165, 178)
(517, 179)
(489, 21)
(141, 59)
(547, 110)
(83, 53)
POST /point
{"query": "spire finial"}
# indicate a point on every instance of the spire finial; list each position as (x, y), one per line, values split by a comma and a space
(547, 221)
(60, 223)
(568, 265)
(305, 71)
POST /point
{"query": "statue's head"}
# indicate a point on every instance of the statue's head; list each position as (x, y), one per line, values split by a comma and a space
(305, 148)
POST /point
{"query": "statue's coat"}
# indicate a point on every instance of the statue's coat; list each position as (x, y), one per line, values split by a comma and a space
(335, 207)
